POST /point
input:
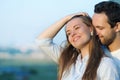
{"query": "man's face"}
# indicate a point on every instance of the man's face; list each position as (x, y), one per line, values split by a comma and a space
(104, 31)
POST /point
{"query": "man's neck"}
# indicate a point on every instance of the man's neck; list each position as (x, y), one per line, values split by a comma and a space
(115, 45)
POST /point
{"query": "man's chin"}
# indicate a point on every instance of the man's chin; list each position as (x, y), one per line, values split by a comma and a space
(102, 42)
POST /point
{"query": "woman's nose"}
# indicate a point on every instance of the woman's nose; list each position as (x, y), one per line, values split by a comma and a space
(73, 33)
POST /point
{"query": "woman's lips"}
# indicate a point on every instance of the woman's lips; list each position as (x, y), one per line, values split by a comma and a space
(76, 38)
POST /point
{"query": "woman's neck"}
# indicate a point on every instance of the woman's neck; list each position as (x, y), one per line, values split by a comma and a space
(84, 51)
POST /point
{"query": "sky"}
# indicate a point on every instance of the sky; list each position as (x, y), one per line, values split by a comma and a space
(21, 21)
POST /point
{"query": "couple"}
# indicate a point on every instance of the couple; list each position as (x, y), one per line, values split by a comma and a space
(83, 58)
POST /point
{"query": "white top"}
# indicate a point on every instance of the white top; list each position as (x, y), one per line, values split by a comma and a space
(116, 58)
(115, 55)
(106, 70)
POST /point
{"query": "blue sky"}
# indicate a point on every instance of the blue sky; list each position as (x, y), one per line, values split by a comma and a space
(21, 21)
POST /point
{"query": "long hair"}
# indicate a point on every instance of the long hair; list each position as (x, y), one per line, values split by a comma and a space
(70, 54)
(95, 56)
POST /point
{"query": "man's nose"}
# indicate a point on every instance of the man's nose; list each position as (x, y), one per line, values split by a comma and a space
(97, 32)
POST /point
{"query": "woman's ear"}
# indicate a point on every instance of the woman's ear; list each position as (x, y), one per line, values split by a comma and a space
(91, 31)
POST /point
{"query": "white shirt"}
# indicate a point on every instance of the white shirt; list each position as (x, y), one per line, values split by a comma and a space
(116, 58)
(115, 55)
(106, 70)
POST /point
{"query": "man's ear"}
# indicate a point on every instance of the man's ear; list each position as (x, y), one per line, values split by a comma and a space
(117, 27)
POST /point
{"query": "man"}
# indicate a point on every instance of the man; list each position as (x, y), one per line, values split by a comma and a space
(106, 21)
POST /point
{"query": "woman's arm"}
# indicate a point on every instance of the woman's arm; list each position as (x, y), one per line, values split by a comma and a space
(45, 39)
(55, 28)
(51, 31)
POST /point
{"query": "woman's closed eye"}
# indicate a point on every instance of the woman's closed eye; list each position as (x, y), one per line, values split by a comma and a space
(68, 33)
(77, 27)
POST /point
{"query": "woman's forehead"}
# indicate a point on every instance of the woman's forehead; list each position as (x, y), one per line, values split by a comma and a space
(74, 21)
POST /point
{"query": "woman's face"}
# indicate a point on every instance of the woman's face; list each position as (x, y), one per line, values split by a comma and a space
(78, 33)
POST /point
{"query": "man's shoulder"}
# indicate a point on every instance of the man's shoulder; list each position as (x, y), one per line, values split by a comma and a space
(116, 54)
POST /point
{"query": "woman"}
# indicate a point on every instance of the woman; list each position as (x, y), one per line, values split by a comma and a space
(82, 58)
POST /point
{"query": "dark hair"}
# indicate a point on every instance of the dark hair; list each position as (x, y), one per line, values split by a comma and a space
(111, 10)
(70, 54)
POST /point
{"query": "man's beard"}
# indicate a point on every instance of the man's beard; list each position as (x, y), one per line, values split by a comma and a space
(108, 40)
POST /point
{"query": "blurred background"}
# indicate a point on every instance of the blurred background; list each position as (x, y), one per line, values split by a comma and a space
(21, 21)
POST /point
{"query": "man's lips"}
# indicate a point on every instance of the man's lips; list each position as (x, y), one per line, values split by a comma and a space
(100, 37)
